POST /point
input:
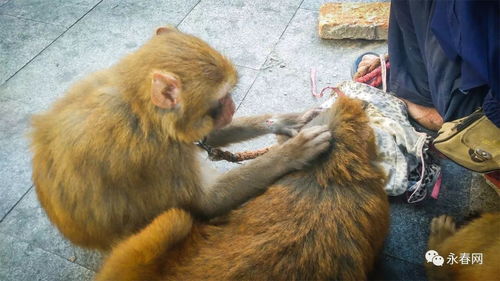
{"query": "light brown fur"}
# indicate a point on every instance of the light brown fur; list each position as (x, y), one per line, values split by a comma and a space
(328, 221)
(118, 149)
(74, 157)
(479, 236)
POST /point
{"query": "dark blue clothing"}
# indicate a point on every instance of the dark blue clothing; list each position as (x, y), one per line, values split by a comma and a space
(470, 31)
(445, 54)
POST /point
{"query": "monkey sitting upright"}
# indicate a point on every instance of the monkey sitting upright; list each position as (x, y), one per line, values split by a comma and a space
(479, 237)
(325, 222)
(119, 148)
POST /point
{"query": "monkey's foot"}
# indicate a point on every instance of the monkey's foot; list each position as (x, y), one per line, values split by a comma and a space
(441, 228)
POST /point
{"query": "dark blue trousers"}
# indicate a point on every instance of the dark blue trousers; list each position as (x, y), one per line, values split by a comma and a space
(421, 72)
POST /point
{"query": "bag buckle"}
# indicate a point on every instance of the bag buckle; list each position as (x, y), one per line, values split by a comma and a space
(479, 155)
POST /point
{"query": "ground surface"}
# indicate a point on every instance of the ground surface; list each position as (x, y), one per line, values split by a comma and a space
(46, 46)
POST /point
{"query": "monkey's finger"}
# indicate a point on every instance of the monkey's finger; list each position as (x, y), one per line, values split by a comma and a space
(324, 137)
(313, 131)
(311, 114)
(434, 225)
(288, 132)
(449, 223)
(323, 147)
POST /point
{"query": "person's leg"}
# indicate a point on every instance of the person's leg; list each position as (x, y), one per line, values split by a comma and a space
(408, 75)
(421, 74)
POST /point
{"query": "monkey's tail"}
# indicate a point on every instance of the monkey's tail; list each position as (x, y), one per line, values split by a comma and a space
(137, 257)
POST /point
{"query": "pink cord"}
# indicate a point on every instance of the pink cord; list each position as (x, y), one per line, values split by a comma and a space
(384, 73)
(313, 84)
(314, 91)
(437, 187)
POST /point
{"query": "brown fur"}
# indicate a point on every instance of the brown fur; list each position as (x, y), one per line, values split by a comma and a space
(117, 150)
(104, 140)
(326, 222)
(479, 236)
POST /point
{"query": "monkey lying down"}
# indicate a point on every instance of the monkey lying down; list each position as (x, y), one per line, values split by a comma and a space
(327, 221)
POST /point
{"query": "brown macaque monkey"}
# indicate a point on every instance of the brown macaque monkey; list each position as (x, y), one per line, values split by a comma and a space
(480, 236)
(326, 222)
(118, 149)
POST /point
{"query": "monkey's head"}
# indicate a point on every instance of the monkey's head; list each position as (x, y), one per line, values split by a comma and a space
(188, 84)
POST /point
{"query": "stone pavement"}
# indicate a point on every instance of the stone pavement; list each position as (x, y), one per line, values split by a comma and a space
(45, 46)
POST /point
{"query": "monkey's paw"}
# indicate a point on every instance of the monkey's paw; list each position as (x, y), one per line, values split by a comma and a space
(307, 145)
(289, 124)
(441, 228)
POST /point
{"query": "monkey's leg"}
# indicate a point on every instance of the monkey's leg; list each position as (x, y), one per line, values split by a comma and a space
(136, 258)
(441, 228)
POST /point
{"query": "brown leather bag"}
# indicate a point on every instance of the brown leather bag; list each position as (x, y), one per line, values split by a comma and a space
(472, 142)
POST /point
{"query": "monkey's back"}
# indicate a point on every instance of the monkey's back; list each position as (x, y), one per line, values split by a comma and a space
(297, 230)
(328, 221)
(92, 158)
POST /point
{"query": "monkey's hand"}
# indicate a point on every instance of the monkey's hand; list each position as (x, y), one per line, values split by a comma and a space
(291, 123)
(305, 146)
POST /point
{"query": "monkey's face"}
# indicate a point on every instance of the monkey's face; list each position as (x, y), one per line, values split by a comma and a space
(222, 113)
(191, 83)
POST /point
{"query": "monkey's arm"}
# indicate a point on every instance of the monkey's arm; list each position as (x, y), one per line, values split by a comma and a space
(137, 257)
(240, 129)
(244, 128)
(239, 185)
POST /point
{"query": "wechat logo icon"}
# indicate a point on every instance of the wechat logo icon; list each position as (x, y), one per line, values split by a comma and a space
(434, 257)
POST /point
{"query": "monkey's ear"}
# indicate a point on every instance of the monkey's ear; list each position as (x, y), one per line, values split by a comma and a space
(165, 29)
(165, 90)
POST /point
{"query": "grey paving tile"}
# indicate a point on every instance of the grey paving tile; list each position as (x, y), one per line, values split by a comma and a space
(22, 261)
(28, 222)
(89, 46)
(15, 176)
(14, 119)
(284, 83)
(409, 231)
(285, 86)
(316, 4)
(279, 90)
(21, 41)
(246, 78)
(245, 31)
(483, 198)
(390, 268)
(302, 48)
(15, 159)
(58, 12)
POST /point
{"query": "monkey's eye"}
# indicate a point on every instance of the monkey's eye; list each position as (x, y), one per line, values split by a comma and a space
(215, 111)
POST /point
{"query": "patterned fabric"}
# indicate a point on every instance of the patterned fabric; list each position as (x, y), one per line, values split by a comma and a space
(402, 151)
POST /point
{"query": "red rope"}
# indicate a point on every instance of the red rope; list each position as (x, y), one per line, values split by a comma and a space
(373, 78)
